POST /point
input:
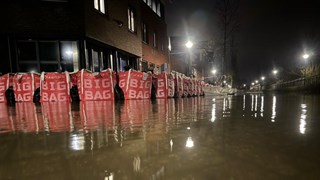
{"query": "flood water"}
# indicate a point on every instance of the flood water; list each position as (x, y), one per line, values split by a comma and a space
(258, 136)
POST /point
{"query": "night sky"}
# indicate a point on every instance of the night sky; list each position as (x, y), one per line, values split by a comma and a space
(272, 33)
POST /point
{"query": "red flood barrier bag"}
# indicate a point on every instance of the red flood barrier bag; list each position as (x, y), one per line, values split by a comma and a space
(55, 87)
(96, 86)
(24, 86)
(164, 86)
(171, 85)
(135, 85)
(178, 85)
(185, 87)
(4, 85)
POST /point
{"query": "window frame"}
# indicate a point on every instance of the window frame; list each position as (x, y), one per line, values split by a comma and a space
(100, 3)
(131, 19)
(154, 40)
(38, 61)
(145, 37)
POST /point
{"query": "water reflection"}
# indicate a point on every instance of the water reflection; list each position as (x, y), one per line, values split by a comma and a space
(274, 105)
(77, 142)
(252, 102)
(262, 106)
(162, 139)
(97, 114)
(27, 118)
(57, 116)
(189, 142)
(303, 117)
(213, 113)
(227, 106)
(244, 103)
(6, 122)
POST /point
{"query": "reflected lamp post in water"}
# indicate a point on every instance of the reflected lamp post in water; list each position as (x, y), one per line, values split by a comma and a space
(274, 105)
(189, 142)
(303, 117)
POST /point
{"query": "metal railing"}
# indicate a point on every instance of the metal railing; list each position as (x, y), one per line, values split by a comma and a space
(300, 83)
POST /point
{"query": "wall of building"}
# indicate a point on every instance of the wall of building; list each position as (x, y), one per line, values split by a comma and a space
(111, 28)
(159, 54)
(36, 18)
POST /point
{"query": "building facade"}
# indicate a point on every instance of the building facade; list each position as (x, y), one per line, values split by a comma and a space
(68, 35)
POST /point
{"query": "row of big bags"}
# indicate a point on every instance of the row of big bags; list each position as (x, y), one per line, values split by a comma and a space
(87, 86)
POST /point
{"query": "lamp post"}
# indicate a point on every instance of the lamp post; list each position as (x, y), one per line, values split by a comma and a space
(189, 45)
(305, 57)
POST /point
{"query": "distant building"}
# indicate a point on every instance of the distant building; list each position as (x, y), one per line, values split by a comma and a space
(59, 35)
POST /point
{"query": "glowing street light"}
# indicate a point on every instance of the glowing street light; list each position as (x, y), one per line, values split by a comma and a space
(256, 81)
(275, 72)
(244, 85)
(214, 71)
(305, 56)
(189, 44)
(252, 83)
(263, 78)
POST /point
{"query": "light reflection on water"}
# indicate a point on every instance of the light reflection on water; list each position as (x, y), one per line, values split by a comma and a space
(144, 139)
(303, 118)
(274, 105)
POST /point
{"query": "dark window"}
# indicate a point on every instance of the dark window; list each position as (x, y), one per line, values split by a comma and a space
(27, 51)
(144, 33)
(154, 39)
(144, 66)
(162, 44)
(28, 67)
(48, 51)
(50, 56)
(48, 67)
(96, 57)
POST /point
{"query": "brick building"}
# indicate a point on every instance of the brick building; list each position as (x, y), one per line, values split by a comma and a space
(59, 35)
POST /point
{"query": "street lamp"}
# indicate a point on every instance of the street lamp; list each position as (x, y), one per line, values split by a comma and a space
(305, 56)
(256, 81)
(214, 71)
(275, 71)
(262, 78)
(189, 44)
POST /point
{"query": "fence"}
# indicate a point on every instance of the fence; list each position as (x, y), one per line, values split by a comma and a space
(297, 84)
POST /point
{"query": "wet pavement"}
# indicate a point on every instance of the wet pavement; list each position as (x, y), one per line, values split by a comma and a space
(256, 136)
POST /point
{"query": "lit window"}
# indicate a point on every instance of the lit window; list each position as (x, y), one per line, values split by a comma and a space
(131, 16)
(99, 5)
(154, 6)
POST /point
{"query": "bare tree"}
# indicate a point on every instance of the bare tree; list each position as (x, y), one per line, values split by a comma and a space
(227, 10)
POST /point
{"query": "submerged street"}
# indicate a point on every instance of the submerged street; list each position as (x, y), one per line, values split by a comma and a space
(252, 136)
